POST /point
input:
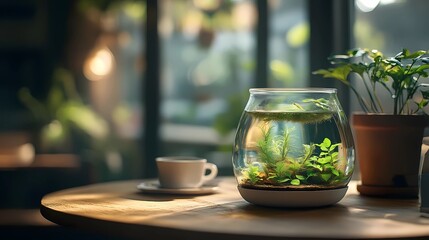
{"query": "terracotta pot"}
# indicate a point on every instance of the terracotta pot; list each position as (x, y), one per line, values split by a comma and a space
(388, 149)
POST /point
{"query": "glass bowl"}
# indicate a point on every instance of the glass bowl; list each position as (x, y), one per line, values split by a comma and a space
(292, 146)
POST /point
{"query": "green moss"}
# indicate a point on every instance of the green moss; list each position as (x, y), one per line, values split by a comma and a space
(302, 117)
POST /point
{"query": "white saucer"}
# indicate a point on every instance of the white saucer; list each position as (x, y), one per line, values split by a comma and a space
(277, 198)
(153, 186)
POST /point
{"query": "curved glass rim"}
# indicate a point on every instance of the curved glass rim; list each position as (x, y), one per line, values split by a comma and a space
(288, 90)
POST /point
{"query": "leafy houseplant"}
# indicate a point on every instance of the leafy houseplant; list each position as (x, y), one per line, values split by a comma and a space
(64, 123)
(62, 115)
(398, 75)
(388, 140)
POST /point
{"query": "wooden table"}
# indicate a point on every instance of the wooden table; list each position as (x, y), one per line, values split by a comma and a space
(119, 209)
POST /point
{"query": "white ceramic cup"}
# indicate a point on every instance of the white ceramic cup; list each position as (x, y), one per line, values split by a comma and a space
(184, 172)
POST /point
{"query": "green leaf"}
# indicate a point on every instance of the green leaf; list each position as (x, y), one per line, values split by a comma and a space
(395, 72)
(374, 54)
(300, 177)
(333, 146)
(421, 68)
(316, 166)
(284, 180)
(280, 168)
(321, 103)
(423, 103)
(359, 68)
(308, 151)
(323, 154)
(328, 166)
(325, 144)
(335, 172)
(55, 99)
(324, 160)
(408, 55)
(326, 176)
(84, 118)
(312, 174)
(340, 73)
(295, 182)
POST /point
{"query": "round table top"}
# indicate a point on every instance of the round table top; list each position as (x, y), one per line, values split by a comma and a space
(120, 209)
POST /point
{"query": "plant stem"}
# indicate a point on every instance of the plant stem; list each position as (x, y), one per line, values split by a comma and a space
(395, 104)
(285, 145)
(309, 153)
(411, 92)
(377, 99)
(361, 100)
(402, 103)
(373, 105)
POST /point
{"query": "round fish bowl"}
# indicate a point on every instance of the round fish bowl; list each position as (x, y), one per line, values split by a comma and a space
(293, 148)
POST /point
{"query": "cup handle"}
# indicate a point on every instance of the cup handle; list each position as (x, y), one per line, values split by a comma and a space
(213, 172)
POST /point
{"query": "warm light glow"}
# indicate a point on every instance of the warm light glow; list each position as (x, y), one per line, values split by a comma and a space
(99, 64)
(26, 153)
(207, 5)
(367, 5)
(166, 26)
(244, 16)
(192, 23)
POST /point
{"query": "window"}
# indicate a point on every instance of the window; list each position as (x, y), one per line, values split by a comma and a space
(208, 63)
(172, 77)
(288, 42)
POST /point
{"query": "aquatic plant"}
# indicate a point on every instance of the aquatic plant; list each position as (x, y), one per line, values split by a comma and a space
(316, 163)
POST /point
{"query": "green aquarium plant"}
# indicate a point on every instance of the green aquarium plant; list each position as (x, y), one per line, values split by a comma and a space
(317, 164)
(400, 76)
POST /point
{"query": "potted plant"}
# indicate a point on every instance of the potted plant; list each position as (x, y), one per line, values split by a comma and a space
(388, 140)
(63, 116)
